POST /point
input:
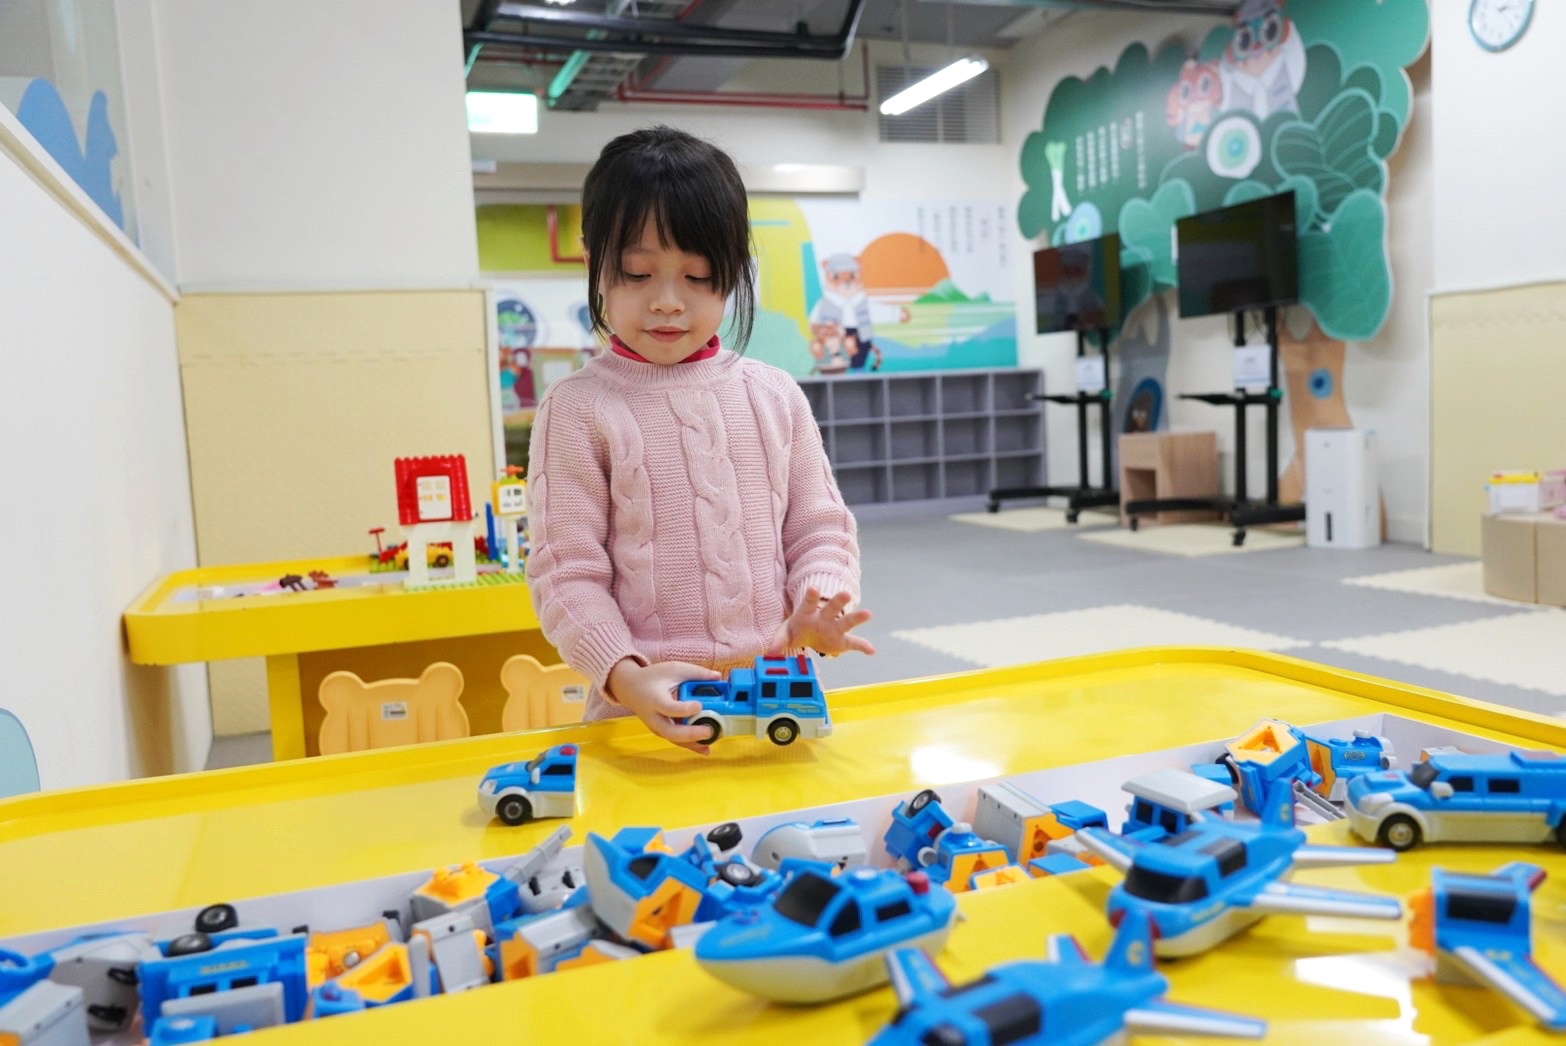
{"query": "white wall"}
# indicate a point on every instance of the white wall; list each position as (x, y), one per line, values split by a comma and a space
(760, 136)
(146, 143)
(97, 502)
(1386, 380)
(317, 145)
(1500, 147)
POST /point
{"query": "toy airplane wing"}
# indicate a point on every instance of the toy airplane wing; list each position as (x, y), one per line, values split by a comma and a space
(1166, 1018)
(913, 975)
(1293, 899)
(1515, 976)
(1331, 856)
(1116, 851)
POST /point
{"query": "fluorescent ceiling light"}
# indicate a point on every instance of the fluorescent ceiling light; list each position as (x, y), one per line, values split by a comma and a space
(502, 112)
(960, 71)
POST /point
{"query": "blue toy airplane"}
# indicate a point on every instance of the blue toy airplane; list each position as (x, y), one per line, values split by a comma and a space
(1479, 930)
(1217, 877)
(1065, 1000)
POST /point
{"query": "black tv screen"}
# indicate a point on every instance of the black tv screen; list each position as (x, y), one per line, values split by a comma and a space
(1077, 286)
(1240, 257)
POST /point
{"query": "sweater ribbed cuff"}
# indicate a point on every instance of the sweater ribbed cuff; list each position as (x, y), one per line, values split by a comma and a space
(828, 585)
(599, 650)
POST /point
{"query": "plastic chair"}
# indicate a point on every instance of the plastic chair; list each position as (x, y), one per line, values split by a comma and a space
(18, 764)
(538, 695)
(391, 712)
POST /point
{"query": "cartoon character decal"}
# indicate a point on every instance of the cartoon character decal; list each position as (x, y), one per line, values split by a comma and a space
(1264, 65)
(841, 322)
(1194, 100)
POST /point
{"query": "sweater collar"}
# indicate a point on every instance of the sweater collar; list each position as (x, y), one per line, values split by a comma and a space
(706, 352)
(689, 373)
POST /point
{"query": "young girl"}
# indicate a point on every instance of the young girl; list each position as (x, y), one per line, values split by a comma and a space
(683, 517)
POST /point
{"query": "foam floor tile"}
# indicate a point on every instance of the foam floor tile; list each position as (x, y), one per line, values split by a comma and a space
(1195, 539)
(1450, 581)
(1069, 633)
(1032, 519)
(1521, 649)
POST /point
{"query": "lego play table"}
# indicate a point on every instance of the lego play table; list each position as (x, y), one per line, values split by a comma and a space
(233, 834)
(368, 624)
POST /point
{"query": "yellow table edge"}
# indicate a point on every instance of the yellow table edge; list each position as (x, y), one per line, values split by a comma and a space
(1545, 729)
(159, 633)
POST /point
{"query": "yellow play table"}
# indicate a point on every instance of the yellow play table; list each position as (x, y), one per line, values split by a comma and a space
(71, 858)
(370, 625)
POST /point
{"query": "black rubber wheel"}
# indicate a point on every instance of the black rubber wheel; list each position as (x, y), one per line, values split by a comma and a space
(713, 725)
(1134, 522)
(514, 810)
(1234, 770)
(1071, 517)
(922, 800)
(1400, 832)
(1239, 538)
(993, 506)
(783, 732)
(442, 559)
(736, 873)
(726, 836)
(189, 944)
(216, 918)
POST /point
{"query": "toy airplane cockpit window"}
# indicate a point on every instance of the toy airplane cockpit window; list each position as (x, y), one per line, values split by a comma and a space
(1164, 889)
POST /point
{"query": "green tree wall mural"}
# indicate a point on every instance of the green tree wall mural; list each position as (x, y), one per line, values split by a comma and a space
(1310, 96)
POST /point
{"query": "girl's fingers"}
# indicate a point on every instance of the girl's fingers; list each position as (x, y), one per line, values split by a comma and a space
(667, 705)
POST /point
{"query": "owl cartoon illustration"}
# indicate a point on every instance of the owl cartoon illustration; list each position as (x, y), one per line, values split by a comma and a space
(1264, 65)
(1193, 101)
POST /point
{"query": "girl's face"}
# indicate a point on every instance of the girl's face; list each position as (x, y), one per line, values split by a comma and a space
(662, 302)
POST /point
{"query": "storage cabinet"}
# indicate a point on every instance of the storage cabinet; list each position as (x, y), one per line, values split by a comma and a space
(928, 435)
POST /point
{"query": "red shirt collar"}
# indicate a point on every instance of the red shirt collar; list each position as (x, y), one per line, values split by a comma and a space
(706, 352)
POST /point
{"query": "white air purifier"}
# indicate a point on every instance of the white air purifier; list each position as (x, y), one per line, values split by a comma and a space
(1342, 497)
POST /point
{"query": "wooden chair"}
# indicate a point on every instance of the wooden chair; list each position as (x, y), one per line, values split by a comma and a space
(538, 695)
(18, 764)
(362, 715)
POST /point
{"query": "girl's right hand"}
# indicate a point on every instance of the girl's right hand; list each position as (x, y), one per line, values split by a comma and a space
(648, 691)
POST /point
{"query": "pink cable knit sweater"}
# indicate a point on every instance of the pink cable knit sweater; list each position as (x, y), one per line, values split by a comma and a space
(678, 513)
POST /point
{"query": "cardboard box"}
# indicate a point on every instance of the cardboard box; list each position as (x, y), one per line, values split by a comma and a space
(1526, 492)
(1507, 542)
(1549, 571)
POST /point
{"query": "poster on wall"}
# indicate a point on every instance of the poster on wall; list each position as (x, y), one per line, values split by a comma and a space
(542, 333)
(846, 286)
(1308, 96)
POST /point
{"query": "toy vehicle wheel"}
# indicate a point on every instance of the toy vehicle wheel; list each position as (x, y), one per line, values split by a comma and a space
(783, 731)
(514, 810)
(737, 873)
(442, 560)
(1400, 832)
(189, 944)
(216, 918)
(712, 725)
(926, 856)
(1133, 522)
(922, 800)
(726, 836)
(1234, 769)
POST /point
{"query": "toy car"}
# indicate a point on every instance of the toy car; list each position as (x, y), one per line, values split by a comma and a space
(544, 786)
(916, 824)
(778, 698)
(824, 936)
(1519, 797)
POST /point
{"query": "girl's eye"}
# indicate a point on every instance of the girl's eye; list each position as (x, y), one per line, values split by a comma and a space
(633, 276)
(699, 279)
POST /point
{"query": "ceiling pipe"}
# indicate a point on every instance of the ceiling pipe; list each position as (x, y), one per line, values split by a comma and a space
(648, 36)
(633, 92)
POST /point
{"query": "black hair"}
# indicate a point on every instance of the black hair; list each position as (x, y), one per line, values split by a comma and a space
(694, 194)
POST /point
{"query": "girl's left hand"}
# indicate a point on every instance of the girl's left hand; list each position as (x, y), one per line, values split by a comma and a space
(824, 627)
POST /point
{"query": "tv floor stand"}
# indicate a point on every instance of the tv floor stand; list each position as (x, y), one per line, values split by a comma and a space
(1241, 510)
(1083, 495)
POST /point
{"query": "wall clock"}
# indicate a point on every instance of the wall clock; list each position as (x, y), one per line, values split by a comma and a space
(1498, 24)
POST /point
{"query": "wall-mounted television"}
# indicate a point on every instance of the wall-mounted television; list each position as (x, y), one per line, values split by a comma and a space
(1076, 286)
(1240, 257)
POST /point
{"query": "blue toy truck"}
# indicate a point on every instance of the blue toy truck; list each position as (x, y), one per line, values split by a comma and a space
(1517, 797)
(778, 698)
(544, 786)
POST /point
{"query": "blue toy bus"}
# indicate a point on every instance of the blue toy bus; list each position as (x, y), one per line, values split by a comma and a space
(778, 698)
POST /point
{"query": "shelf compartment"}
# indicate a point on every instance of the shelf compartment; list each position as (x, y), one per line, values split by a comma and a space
(1018, 432)
(969, 435)
(1019, 471)
(965, 393)
(1011, 390)
(858, 400)
(859, 442)
(914, 439)
(919, 482)
(863, 486)
(911, 397)
(966, 478)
